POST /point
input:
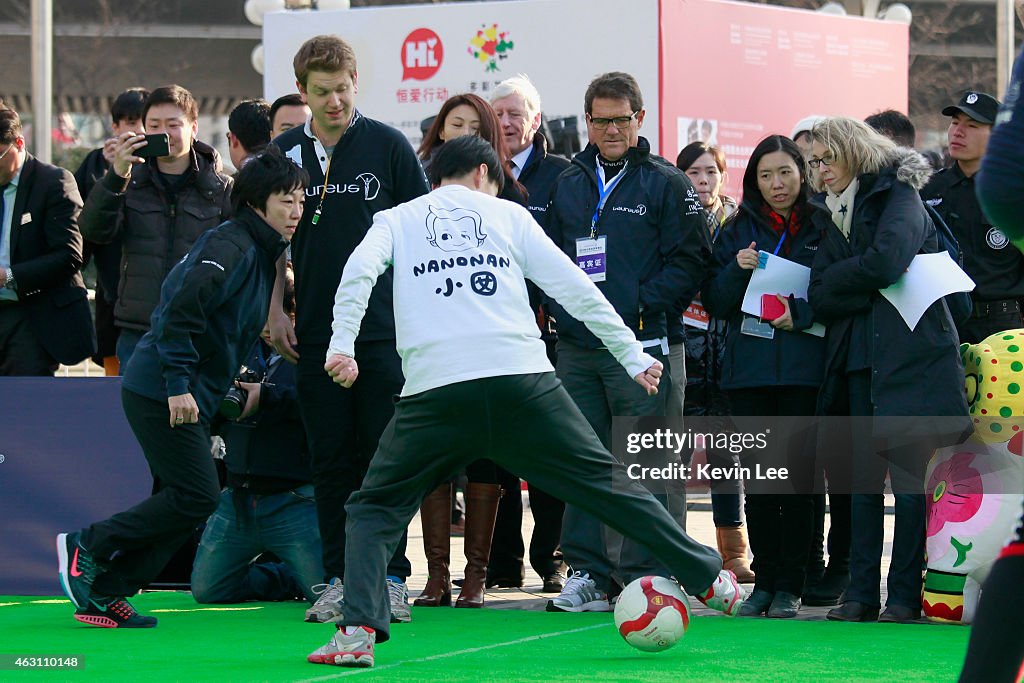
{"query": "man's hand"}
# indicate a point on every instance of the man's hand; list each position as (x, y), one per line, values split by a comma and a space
(124, 152)
(183, 410)
(252, 402)
(282, 335)
(342, 369)
(650, 378)
(784, 321)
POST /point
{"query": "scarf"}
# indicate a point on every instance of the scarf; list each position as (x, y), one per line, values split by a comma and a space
(841, 207)
(783, 226)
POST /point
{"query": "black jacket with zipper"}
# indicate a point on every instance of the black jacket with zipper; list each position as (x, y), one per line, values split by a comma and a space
(790, 358)
(657, 243)
(212, 308)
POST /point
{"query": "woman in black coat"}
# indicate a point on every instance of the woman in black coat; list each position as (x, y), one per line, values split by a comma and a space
(876, 366)
(772, 369)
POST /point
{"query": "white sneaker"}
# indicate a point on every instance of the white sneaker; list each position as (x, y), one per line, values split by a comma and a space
(580, 594)
(398, 597)
(724, 595)
(327, 608)
(349, 646)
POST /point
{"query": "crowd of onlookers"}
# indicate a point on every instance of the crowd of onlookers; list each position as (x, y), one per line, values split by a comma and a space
(851, 201)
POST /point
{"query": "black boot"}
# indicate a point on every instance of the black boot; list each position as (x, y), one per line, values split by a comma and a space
(829, 591)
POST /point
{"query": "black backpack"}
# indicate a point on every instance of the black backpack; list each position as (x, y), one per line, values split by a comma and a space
(959, 303)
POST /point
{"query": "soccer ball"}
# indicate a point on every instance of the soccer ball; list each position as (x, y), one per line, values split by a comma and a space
(652, 613)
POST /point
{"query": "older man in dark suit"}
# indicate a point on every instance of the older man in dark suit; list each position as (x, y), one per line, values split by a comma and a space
(44, 310)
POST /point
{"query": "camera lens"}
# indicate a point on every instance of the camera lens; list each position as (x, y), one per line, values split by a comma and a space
(233, 403)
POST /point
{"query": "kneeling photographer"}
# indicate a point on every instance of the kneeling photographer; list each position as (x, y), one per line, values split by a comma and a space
(267, 505)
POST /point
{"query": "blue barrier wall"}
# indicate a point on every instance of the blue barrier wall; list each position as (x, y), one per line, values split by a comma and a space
(69, 459)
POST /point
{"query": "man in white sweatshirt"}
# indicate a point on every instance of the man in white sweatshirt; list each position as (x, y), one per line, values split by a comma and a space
(479, 384)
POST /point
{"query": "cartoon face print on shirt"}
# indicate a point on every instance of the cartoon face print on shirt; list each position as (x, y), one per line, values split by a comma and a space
(455, 229)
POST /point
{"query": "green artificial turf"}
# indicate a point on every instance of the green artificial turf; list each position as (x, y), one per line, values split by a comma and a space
(269, 642)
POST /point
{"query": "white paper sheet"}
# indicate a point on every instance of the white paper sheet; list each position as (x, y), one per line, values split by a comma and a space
(779, 276)
(929, 277)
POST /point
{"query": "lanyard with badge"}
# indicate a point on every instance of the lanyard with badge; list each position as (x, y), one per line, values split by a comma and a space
(592, 251)
(752, 326)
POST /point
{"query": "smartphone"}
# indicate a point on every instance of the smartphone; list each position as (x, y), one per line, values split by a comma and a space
(157, 145)
(771, 307)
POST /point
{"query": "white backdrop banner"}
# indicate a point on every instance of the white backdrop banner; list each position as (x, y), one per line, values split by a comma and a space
(412, 58)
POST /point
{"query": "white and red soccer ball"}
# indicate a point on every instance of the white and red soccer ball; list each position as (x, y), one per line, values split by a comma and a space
(652, 613)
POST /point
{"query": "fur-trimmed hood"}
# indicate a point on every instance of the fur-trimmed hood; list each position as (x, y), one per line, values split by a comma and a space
(911, 167)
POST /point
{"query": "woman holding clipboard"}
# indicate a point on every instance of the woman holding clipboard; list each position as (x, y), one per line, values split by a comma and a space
(906, 385)
(771, 367)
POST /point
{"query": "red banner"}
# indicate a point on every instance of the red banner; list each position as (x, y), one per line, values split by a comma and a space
(733, 73)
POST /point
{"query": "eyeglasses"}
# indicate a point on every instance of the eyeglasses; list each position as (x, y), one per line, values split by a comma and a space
(7, 150)
(815, 162)
(621, 122)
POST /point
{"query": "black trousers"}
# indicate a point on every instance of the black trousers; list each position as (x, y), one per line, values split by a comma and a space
(526, 424)
(507, 549)
(21, 354)
(134, 545)
(996, 649)
(343, 427)
(780, 525)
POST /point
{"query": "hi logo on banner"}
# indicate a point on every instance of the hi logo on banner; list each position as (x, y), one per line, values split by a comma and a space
(422, 55)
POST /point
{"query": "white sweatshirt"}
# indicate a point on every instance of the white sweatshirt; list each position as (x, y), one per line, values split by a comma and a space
(461, 307)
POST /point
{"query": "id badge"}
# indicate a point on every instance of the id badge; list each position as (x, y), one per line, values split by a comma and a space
(696, 316)
(756, 328)
(591, 257)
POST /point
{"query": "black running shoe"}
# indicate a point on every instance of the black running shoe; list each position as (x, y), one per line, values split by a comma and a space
(113, 613)
(76, 568)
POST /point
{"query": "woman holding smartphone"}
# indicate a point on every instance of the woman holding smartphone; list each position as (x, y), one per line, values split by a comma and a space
(772, 367)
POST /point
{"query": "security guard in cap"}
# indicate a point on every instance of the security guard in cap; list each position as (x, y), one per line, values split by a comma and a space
(988, 257)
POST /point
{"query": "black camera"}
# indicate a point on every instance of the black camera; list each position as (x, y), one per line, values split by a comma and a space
(233, 403)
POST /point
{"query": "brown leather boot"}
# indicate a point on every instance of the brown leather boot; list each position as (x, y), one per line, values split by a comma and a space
(436, 520)
(481, 511)
(732, 545)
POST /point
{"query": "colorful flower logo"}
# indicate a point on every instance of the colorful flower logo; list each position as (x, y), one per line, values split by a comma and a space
(956, 492)
(490, 45)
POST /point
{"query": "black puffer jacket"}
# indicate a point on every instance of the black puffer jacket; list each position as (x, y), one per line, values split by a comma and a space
(913, 373)
(156, 233)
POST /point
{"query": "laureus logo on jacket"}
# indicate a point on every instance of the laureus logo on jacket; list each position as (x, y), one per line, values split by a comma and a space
(365, 184)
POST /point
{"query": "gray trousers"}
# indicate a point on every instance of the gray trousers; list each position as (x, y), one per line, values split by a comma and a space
(602, 389)
(526, 424)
